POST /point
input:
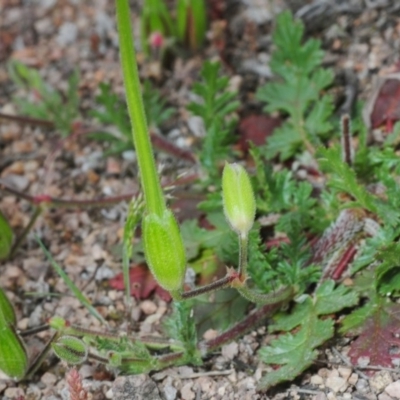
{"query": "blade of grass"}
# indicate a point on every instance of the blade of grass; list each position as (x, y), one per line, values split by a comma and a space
(71, 285)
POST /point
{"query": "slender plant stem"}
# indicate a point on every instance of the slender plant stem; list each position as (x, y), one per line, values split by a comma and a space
(25, 232)
(37, 362)
(263, 299)
(243, 245)
(219, 284)
(249, 323)
(34, 330)
(154, 199)
(346, 139)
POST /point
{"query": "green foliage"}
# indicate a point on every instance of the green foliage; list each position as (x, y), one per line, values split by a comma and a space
(191, 19)
(220, 312)
(189, 27)
(387, 272)
(343, 178)
(299, 93)
(181, 327)
(280, 193)
(111, 112)
(297, 351)
(6, 237)
(43, 101)
(155, 106)
(155, 17)
(285, 265)
(128, 356)
(13, 357)
(71, 285)
(217, 105)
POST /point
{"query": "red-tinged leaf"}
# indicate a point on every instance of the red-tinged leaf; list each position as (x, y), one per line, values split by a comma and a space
(379, 341)
(386, 109)
(143, 284)
(256, 128)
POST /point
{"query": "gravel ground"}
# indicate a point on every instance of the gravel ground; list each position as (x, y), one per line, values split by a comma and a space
(58, 36)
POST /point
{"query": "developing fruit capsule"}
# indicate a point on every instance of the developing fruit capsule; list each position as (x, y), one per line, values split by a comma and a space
(238, 198)
(164, 250)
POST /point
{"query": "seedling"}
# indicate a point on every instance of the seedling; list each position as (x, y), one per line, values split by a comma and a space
(217, 108)
(160, 30)
(43, 101)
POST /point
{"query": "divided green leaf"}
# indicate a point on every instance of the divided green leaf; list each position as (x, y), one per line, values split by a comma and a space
(299, 92)
(215, 108)
(295, 352)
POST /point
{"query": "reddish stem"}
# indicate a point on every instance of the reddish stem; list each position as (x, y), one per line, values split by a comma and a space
(249, 323)
(344, 262)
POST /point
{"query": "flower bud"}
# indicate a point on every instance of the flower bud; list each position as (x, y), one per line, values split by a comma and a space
(238, 198)
(70, 349)
(164, 250)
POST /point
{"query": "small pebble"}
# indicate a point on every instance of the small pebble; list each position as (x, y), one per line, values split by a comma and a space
(384, 396)
(344, 372)
(48, 379)
(393, 389)
(336, 383)
(170, 392)
(14, 393)
(380, 380)
(316, 380)
(148, 307)
(187, 393)
(230, 350)
(353, 379)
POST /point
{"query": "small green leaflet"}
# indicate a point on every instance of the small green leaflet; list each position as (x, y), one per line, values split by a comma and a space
(296, 352)
(343, 178)
(181, 327)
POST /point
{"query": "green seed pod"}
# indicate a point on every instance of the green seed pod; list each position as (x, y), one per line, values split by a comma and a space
(238, 198)
(70, 349)
(164, 250)
(13, 357)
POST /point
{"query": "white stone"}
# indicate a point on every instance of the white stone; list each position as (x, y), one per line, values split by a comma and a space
(230, 350)
(187, 393)
(170, 392)
(316, 380)
(148, 307)
(336, 383)
(393, 389)
(380, 381)
(384, 396)
(344, 372)
(353, 379)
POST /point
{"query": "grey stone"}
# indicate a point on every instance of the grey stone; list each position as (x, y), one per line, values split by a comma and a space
(135, 387)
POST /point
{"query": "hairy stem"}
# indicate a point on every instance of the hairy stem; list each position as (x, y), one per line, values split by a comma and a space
(154, 199)
(243, 245)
